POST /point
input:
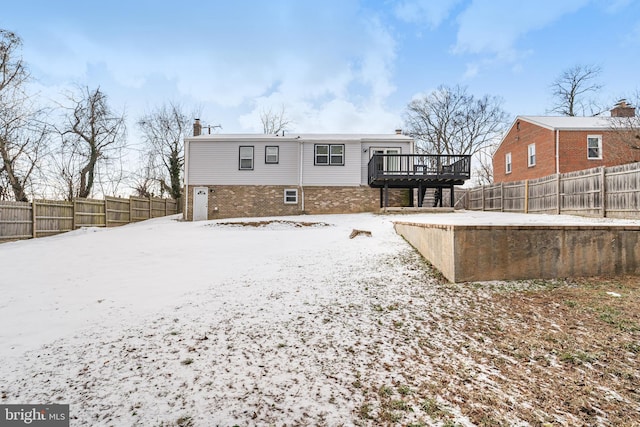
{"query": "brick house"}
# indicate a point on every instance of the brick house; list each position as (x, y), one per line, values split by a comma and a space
(236, 175)
(538, 146)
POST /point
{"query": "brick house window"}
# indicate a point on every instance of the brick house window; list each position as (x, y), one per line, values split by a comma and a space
(531, 158)
(329, 154)
(246, 158)
(507, 162)
(594, 147)
(271, 154)
(291, 196)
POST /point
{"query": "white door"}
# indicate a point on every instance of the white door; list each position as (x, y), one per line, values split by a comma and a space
(200, 203)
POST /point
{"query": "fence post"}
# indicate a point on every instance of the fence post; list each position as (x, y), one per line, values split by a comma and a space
(603, 192)
(73, 214)
(166, 208)
(150, 206)
(558, 194)
(106, 212)
(130, 210)
(482, 189)
(502, 197)
(526, 196)
(33, 218)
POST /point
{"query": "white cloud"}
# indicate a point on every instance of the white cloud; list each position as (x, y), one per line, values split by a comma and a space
(431, 12)
(335, 93)
(325, 65)
(494, 26)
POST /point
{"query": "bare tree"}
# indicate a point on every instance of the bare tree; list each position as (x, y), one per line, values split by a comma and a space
(163, 131)
(573, 89)
(483, 172)
(274, 122)
(451, 121)
(93, 137)
(23, 134)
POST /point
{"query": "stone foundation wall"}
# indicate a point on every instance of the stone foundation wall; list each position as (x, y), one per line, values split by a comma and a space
(326, 200)
(233, 201)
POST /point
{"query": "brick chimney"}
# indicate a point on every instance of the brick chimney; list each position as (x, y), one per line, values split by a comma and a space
(622, 109)
(197, 128)
(398, 131)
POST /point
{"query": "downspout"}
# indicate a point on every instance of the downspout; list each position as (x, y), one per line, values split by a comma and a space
(557, 151)
(301, 146)
(186, 180)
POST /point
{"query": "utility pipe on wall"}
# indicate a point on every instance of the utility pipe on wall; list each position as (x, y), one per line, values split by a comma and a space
(301, 174)
(557, 151)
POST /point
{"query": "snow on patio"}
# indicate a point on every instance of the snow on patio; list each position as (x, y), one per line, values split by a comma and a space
(173, 323)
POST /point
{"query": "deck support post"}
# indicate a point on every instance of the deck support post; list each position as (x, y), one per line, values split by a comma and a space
(452, 199)
(381, 198)
(420, 195)
(386, 194)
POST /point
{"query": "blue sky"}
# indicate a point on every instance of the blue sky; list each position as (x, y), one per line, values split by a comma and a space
(335, 65)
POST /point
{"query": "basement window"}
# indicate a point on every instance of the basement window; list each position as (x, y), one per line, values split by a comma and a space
(246, 158)
(594, 147)
(291, 196)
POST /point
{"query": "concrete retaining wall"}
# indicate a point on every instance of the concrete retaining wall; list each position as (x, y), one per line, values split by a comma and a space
(466, 253)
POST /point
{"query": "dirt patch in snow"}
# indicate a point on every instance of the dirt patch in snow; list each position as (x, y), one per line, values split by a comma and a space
(268, 223)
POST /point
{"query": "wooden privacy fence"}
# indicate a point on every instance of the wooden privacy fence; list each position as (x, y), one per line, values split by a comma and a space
(612, 192)
(40, 218)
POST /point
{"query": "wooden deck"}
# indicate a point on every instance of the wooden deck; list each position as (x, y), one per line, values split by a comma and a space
(419, 171)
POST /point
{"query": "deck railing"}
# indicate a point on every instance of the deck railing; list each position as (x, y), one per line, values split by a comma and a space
(417, 166)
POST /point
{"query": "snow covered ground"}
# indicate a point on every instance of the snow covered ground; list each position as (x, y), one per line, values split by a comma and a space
(173, 323)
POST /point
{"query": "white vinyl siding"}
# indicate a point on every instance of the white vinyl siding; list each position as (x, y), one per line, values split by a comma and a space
(531, 155)
(347, 174)
(216, 163)
(594, 147)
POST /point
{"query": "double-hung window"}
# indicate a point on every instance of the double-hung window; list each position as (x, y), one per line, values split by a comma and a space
(329, 154)
(246, 158)
(594, 147)
(507, 162)
(271, 154)
(531, 155)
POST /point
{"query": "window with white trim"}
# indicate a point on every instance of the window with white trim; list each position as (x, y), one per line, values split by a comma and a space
(329, 154)
(291, 196)
(531, 157)
(507, 162)
(271, 154)
(246, 158)
(594, 147)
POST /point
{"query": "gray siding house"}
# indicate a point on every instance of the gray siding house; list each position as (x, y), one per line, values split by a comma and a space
(235, 175)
